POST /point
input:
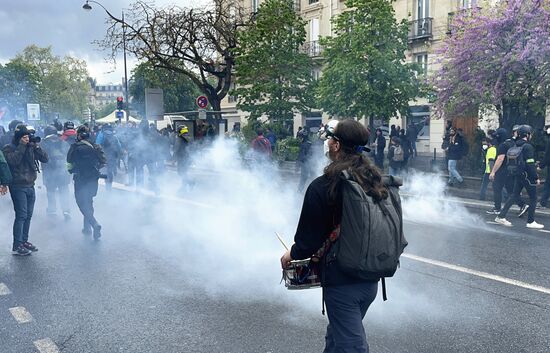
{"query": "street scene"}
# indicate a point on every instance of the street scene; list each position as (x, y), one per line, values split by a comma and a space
(275, 176)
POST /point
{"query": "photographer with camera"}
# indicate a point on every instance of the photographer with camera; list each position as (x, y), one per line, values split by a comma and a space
(23, 155)
(84, 160)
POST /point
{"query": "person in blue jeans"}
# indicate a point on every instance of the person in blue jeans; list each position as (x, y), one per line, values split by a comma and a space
(455, 151)
(23, 155)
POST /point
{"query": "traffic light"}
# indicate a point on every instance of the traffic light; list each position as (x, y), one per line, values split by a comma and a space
(119, 103)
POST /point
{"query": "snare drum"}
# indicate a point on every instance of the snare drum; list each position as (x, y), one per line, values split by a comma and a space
(302, 274)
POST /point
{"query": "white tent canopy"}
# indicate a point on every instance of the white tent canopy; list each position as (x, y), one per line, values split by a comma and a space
(111, 118)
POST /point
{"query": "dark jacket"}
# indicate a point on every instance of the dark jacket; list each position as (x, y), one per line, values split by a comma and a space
(22, 160)
(55, 171)
(85, 160)
(5, 174)
(528, 153)
(456, 148)
(546, 160)
(6, 139)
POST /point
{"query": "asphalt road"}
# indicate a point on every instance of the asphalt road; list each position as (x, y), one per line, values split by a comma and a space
(188, 276)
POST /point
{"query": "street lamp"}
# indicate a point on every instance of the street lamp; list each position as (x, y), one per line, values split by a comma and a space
(88, 7)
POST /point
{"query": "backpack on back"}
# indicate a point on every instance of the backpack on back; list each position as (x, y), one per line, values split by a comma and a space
(398, 154)
(515, 163)
(261, 144)
(369, 249)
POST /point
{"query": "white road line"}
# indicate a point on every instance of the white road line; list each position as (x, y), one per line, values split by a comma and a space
(4, 290)
(478, 273)
(46, 345)
(544, 230)
(21, 314)
(492, 222)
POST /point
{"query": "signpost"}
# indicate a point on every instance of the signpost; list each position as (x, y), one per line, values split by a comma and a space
(202, 102)
(33, 112)
(154, 104)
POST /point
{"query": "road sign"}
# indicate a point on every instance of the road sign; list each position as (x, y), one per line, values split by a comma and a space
(33, 111)
(119, 114)
(202, 114)
(202, 102)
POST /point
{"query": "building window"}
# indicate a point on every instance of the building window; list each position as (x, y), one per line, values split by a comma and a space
(419, 116)
(311, 2)
(468, 4)
(423, 9)
(422, 60)
(254, 5)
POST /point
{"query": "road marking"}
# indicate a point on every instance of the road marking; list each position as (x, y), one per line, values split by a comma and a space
(46, 345)
(4, 290)
(478, 273)
(21, 314)
(492, 222)
(544, 230)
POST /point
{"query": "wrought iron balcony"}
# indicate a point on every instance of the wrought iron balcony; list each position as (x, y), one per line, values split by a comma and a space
(421, 29)
(313, 49)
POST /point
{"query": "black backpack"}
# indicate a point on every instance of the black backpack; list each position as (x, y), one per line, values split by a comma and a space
(369, 249)
(515, 163)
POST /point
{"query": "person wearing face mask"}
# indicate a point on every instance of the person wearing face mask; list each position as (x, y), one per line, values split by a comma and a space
(490, 154)
(545, 163)
(347, 296)
(521, 165)
(455, 151)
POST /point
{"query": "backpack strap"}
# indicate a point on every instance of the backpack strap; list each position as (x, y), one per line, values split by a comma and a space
(384, 295)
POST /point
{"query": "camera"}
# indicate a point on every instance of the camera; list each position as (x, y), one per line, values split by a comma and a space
(34, 139)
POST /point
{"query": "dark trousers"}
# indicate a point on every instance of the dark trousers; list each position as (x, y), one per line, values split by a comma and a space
(520, 183)
(111, 169)
(84, 192)
(504, 182)
(546, 189)
(346, 308)
(379, 160)
(23, 198)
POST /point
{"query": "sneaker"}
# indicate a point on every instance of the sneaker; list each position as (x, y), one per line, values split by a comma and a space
(535, 225)
(86, 231)
(503, 221)
(21, 251)
(523, 210)
(97, 232)
(30, 247)
(493, 212)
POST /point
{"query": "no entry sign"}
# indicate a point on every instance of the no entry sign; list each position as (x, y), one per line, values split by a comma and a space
(202, 102)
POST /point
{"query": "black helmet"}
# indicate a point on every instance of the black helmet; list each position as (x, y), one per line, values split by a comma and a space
(50, 130)
(68, 125)
(515, 128)
(524, 130)
(83, 132)
(500, 134)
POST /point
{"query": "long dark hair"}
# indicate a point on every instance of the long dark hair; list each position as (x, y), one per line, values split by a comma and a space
(352, 135)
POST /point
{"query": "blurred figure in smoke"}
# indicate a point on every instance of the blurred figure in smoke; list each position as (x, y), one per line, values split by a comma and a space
(261, 147)
(379, 145)
(23, 155)
(272, 139)
(396, 156)
(84, 160)
(136, 153)
(113, 152)
(5, 174)
(407, 149)
(304, 159)
(56, 179)
(347, 297)
(69, 133)
(182, 157)
(152, 155)
(7, 138)
(455, 151)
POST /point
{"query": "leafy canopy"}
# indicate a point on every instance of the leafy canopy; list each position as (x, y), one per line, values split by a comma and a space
(272, 73)
(365, 72)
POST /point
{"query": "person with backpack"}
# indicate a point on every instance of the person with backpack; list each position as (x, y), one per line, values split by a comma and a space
(396, 156)
(501, 178)
(84, 160)
(69, 133)
(113, 152)
(521, 165)
(351, 226)
(455, 152)
(56, 179)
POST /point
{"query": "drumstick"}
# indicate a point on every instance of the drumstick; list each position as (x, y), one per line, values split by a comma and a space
(281, 240)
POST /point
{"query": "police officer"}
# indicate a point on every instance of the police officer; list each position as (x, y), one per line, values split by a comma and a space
(84, 161)
(526, 177)
(23, 155)
(56, 179)
(181, 156)
(113, 151)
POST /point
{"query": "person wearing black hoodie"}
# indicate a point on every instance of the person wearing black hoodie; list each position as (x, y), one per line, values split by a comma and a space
(545, 163)
(23, 155)
(525, 177)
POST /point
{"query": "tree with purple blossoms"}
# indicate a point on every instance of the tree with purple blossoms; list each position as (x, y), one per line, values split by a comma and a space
(500, 57)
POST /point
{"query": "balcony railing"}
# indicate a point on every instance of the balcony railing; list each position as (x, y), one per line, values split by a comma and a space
(421, 29)
(313, 49)
(462, 12)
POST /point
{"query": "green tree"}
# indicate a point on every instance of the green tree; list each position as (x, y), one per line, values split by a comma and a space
(365, 74)
(19, 84)
(179, 91)
(272, 73)
(63, 83)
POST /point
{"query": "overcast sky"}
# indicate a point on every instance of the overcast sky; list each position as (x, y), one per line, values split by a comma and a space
(69, 29)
